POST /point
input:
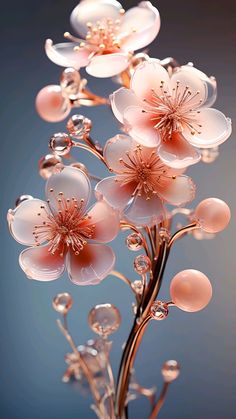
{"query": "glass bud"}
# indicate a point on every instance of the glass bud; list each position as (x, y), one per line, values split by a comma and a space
(60, 143)
(22, 198)
(134, 242)
(62, 303)
(170, 371)
(142, 264)
(159, 310)
(79, 126)
(47, 165)
(70, 82)
(104, 319)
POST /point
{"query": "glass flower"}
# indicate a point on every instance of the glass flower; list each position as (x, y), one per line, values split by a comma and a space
(142, 182)
(108, 35)
(171, 112)
(61, 233)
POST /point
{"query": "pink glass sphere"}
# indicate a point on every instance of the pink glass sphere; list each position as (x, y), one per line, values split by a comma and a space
(213, 215)
(51, 105)
(190, 290)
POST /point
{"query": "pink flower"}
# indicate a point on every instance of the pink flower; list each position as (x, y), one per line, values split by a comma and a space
(142, 182)
(61, 234)
(171, 113)
(109, 35)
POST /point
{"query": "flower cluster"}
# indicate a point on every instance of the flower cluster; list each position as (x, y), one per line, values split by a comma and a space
(167, 120)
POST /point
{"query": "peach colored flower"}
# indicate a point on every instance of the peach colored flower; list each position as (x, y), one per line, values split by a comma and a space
(61, 234)
(108, 34)
(171, 112)
(142, 182)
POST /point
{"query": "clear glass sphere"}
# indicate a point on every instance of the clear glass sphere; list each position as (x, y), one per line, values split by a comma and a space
(62, 303)
(134, 242)
(60, 143)
(22, 198)
(190, 290)
(142, 264)
(159, 310)
(213, 215)
(51, 105)
(79, 126)
(70, 82)
(137, 286)
(104, 319)
(47, 165)
(170, 371)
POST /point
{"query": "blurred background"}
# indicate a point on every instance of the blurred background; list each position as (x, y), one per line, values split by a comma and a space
(31, 347)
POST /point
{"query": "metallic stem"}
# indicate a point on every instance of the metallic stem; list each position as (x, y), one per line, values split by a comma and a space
(160, 401)
(182, 232)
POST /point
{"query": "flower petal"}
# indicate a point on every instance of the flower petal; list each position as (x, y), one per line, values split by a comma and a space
(92, 264)
(108, 65)
(116, 149)
(210, 82)
(38, 263)
(65, 55)
(93, 11)
(216, 128)
(23, 219)
(148, 76)
(190, 81)
(141, 25)
(122, 99)
(106, 222)
(177, 152)
(179, 190)
(72, 182)
(115, 195)
(140, 126)
(145, 212)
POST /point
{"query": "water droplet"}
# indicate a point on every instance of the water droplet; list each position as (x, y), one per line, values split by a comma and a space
(62, 303)
(134, 242)
(70, 82)
(60, 143)
(79, 126)
(47, 165)
(104, 319)
(159, 310)
(137, 287)
(22, 198)
(170, 371)
(142, 264)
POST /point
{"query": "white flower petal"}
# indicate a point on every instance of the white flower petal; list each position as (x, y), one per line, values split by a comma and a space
(65, 55)
(145, 212)
(148, 77)
(116, 148)
(210, 82)
(108, 65)
(121, 99)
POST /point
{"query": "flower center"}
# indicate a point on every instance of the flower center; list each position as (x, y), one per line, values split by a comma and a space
(145, 170)
(66, 228)
(174, 111)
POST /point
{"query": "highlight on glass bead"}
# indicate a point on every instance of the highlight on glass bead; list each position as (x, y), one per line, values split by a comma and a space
(60, 143)
(51, 105)
(142, 264)
(213, 215)
(22, 198)
(47, 165)
(79, 126)
(190, 290)
(170, 371)
(62, 303)
(70, 82)
(159, 310)
(104, 319)
(134, 242)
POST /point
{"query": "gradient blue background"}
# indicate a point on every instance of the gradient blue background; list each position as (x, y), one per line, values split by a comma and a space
(31, 347)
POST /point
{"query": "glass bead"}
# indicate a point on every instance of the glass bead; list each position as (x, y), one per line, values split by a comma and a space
(60, 143)
(209, 155)
(134, 242)
(137, 287)
(51, 105)
(79, 126)
(142, 264)
(159, 310)
(213, 215)
(170, 371)
(70, 82)
(47, 165)
(104, 319)
(62, 303)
